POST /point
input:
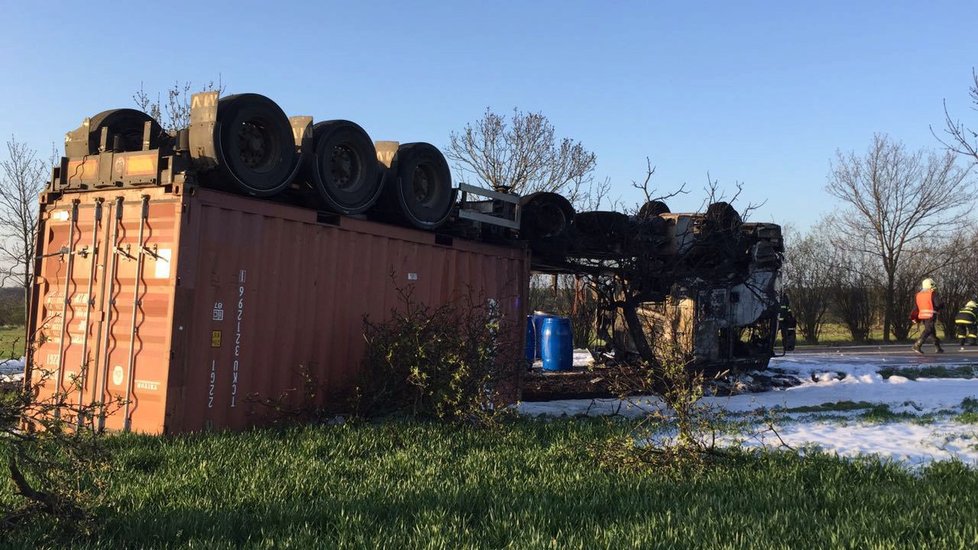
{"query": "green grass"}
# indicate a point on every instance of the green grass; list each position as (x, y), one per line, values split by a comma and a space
(880, 414)
(11, 342)
(913, 373)
(836, 334)
(876, 413)
(832, 407)
(532, 484)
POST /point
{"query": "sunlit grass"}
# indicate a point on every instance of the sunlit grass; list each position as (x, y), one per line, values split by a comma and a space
(11, 342)
(833, 334)
(530, 484)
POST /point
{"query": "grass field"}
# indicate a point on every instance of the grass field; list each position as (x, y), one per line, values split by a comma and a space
(11, 342)
(531, 484)
(837, 334)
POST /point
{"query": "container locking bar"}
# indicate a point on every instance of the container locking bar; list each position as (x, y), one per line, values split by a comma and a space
(108, 299)
(133, 329)
(84, 364)
(64, 307)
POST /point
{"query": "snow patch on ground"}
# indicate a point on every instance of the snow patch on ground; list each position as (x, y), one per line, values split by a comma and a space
(903, 442)
(12, 369)
(827, 379)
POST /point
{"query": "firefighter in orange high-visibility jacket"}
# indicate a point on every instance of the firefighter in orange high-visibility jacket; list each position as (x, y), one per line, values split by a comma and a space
(926, 306)
(966, 323)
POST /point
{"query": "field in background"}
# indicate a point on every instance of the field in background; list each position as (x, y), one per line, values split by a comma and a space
(837, 334)
(531, 484)
(11, 342)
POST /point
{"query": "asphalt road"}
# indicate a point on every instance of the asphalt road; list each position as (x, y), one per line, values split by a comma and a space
(893, 354)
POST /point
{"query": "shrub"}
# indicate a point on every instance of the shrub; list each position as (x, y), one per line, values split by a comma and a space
(52, 451)
(453, 362)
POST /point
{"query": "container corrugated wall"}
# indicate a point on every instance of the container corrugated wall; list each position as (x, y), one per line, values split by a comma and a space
(238, 298)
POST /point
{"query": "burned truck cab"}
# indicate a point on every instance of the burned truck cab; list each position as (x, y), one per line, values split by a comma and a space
(702, 286)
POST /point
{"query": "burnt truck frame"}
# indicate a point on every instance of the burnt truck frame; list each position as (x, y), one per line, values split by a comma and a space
(705, 285)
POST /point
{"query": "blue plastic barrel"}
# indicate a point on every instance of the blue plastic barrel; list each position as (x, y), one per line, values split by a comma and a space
(556, 344)
(530, 348)
(538, 317)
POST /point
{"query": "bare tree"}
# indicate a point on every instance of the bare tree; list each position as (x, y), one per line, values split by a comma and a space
(897, 199)
(22, 177)
(808, 264)
(521, 154)
(956, 280)
(176, 108)
(651, 194)
(962, 139)
(854, 295)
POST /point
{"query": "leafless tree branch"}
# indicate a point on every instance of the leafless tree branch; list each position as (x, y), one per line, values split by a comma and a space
(522, 154)
(897, 201)
(22, 177)
(174, 114)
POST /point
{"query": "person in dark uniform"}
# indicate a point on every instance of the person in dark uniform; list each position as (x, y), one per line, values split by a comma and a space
(787, 323)
(926, 306)
(966, 323)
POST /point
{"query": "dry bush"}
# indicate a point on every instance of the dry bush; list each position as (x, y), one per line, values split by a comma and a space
(54, 453)
(450, 362)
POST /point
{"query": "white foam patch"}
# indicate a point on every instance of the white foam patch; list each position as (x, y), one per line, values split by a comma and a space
(12, 369)
(833, 378)
(907, 443)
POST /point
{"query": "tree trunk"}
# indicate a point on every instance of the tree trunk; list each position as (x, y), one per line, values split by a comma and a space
(888, 304)
(27, 306)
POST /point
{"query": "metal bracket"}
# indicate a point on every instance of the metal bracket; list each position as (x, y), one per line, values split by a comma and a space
(504, 208)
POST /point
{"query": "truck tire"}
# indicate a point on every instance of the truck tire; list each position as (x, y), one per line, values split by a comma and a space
(721, 216)
(346, 163)
(608, 225)
(128, 125)
(418, 186)
(544, 215)
(652, 209)
(256, 143)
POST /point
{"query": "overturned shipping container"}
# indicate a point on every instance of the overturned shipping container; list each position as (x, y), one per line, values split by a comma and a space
(187, 305)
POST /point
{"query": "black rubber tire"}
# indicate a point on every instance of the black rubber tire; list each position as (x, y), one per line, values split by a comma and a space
(347, 165)
(601, 224)
(544, 215)
(263, 168)
(652, 209)
(422, 185)
(128, 124)
(722, 217)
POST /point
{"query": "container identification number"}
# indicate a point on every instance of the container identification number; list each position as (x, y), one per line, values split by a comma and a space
(210, 390)
(236, 365)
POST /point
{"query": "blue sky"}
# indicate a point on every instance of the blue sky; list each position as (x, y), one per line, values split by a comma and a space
(761, 93)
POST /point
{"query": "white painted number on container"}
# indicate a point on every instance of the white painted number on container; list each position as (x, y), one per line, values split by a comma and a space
(218, 312)
(210, 389)
(236, 365)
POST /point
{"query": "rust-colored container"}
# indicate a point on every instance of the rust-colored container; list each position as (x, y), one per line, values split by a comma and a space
(184, 306)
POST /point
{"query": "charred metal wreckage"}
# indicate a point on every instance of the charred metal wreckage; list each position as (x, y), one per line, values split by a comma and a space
(706, 282)
(704, 285)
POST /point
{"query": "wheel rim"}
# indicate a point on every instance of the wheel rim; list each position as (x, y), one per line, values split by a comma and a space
(423, 183)
(344, 167)
(256, 144)
(550, 219)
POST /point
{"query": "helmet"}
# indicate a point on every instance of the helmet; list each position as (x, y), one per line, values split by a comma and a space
(927, 284)
(971, 304)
